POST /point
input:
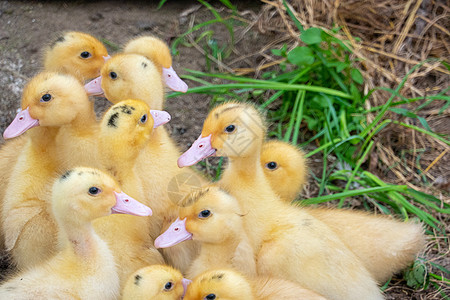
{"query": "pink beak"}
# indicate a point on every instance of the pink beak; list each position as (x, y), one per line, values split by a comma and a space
(94, 87)
(127, 205)
(175, 234)
(199, 150)
(160, 117)
(21, 123)
(107, 57)
(173, 81)
(185, 282)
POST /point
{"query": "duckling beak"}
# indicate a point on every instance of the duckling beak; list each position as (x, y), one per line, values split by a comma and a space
(185, 282)
(94, 87)
(21, 123)
(160, 117)
(173, 81)
(199, 150)
(175, 234)
(107, 57)
(127, 205)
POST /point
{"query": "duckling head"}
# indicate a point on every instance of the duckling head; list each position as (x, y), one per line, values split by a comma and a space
(231, 129)
(76, 53)
(158, 282)
(89, 194)
(219, 285)
(127, 76)
(208, 215)
(285, 167)
(49, 99)
(157, 51)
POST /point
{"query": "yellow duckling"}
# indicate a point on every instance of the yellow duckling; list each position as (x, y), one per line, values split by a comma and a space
(285, 167)
(47, 104)
(132, 76)
(129, 76)
(76, 53)
(385, 246)
(227, 284)
(84, 268)
(157, 51)
(125, 130)
(289, 242)
(213, 218)
(157, 282)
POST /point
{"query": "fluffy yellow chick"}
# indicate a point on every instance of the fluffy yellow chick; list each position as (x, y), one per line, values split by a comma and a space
(157, 51)
(125, 129)
(213, 218)
(157, 282)
(289, 242)
(76, 53)
(385, 246)
(132, 76)
(49, 101)
(285, 167)
(84, 268)
(129, 76)
(227, 284)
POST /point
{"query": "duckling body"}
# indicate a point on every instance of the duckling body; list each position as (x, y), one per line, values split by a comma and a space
(231, 285)
(157, 282)
(385, 246)
(289, 243)
(63, 55)
(47, 104)
(125, 129)
(85, 267)
(213, 218)
(136, 77)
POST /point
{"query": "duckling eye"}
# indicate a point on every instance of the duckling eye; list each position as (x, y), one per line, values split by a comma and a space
(113, 75)
(210, 297)
(94, 190)
(143, 119)
(46, 98)
(85, 54)
(271, 165)
(230, 128)
(204, 214)
(168, 286)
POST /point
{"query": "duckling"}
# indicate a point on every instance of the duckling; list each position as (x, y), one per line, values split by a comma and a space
(76, 53)
(127, 76)
(157, 282)
(47, 104)
(231, 285)
(289, 242)
(125, 130)
(382, 250)
(85, 267)
(285, 167)
(213, 218)
(157, 51)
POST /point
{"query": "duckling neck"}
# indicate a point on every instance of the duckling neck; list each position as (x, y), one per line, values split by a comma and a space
(220, 253)
(81, 240)
(42, 137)
(83, 122)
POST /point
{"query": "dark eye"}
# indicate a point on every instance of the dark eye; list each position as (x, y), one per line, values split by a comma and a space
(210, 297)
(230, 128)
(168, 286)
(113, 75)
(94, 190)
(46, 98)
(85, 54)
(143, 119)
(271, 165)
(204, 214)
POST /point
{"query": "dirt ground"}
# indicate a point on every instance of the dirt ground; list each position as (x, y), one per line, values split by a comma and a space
(27, 26)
